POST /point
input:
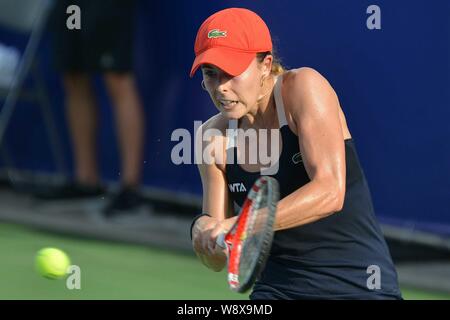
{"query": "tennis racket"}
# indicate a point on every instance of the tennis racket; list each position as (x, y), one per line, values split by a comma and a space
(249, 241)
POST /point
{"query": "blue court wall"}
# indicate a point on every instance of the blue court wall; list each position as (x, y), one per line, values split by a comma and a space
(393, 85)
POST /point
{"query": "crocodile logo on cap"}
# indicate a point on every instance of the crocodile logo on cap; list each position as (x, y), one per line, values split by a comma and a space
(216, 33)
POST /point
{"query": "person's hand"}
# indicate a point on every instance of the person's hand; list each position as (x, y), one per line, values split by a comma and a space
(204, 237)
(201, 232)
(222, 227)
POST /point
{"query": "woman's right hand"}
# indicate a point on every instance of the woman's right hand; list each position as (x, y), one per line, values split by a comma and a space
(204, 234)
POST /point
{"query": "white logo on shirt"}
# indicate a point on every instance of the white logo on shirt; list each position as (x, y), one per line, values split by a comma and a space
(237, 187)
(297, 158)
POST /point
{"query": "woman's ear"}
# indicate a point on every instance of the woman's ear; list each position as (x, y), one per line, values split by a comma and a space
(267, 65)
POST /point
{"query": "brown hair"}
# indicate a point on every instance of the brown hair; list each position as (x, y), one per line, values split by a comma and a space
(277, 67)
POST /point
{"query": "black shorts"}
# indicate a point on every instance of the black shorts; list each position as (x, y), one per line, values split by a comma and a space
(105, 41)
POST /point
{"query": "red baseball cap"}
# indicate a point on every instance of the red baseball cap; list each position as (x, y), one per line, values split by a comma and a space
(230, 39)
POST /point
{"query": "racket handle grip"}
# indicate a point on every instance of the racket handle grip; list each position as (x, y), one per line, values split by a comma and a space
(220, 241)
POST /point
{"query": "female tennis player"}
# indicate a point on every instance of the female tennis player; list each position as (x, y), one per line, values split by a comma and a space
(327, 242)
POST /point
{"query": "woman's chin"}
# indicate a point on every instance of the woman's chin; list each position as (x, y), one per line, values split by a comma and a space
(233, 114)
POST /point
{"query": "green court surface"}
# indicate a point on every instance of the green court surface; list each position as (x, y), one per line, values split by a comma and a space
(114, 271)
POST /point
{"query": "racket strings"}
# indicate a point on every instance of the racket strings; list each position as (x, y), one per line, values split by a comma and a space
(253, 236)
(254, 233)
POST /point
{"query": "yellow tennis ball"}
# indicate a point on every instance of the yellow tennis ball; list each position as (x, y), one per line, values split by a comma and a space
(52, 263)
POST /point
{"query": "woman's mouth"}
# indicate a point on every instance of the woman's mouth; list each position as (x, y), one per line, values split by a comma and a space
(228, 104)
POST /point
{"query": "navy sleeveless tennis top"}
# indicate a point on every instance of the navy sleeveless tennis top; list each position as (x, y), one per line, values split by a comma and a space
(342, 256)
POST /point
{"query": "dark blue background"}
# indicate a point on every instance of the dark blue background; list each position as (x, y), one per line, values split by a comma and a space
(393, 85)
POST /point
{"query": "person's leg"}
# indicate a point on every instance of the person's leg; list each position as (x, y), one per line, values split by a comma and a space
(81, 112)
(129, 117)
(69, 60)
(110, 54)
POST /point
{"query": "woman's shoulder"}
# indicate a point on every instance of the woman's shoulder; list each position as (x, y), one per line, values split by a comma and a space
(303, 76)
(300, 87)
(303, 84)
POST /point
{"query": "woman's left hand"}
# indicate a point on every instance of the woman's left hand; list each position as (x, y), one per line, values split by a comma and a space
(222, 226)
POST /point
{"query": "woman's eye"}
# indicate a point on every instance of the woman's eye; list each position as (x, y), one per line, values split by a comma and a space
(209, 73)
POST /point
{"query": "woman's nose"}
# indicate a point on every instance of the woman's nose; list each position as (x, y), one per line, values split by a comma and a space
(223, 82)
